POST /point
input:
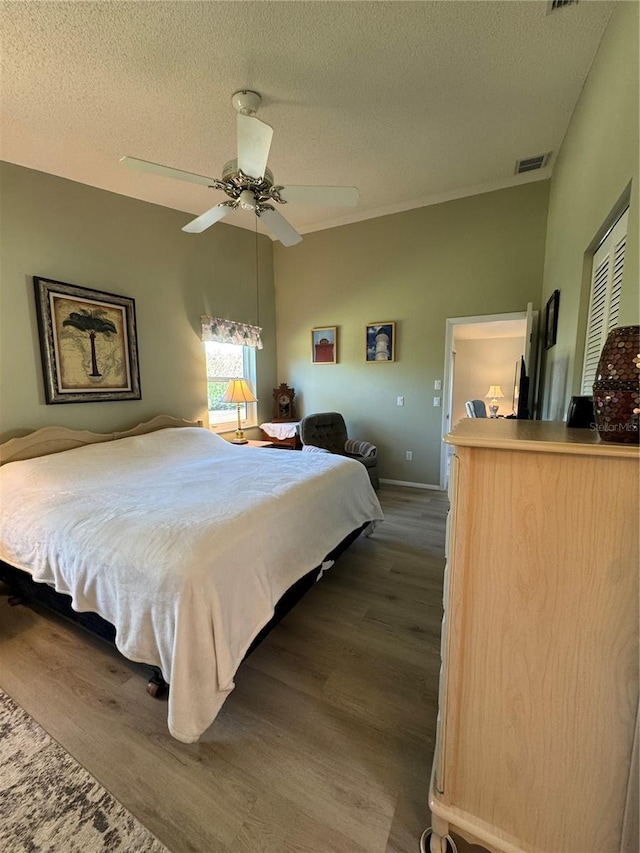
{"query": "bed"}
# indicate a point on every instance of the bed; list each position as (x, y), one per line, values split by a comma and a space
(181, 541)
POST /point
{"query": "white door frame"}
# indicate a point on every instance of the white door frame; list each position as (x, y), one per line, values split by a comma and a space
(447, 385)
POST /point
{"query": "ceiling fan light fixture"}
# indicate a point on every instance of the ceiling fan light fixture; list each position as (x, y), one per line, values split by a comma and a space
(247, 200)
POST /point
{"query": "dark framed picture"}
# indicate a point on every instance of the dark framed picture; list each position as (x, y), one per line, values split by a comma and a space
(551, 319)
(88, 343)
(381, 342)
(324, 345)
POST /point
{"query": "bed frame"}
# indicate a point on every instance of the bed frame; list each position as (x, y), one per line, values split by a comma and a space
(55, 439)
(48, 440)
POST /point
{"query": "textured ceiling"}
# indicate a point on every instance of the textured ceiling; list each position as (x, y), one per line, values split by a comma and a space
(412, 102)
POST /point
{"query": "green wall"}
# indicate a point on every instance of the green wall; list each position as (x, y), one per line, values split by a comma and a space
(598, 160)
(478, 255)
(484, 254)
(70, 232)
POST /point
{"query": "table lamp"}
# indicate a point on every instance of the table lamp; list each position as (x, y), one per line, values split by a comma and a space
(493, 395)
(238, 392)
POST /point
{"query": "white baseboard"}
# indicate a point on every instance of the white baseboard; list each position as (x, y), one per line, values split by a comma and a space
(411, 485)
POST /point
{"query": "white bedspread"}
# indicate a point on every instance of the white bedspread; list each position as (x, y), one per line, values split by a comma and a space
(183, 542)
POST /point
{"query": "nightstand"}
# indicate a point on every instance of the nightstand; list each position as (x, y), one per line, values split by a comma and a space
(282, 434)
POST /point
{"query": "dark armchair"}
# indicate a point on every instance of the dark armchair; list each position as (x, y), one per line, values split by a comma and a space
(476, 409)
(328, 431)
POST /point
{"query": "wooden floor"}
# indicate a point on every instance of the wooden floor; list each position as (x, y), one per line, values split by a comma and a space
(325, 746)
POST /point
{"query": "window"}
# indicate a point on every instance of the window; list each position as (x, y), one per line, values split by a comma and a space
(225, 362)
(604, 301)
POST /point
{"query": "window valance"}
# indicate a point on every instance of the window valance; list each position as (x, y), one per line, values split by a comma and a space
(230, 332)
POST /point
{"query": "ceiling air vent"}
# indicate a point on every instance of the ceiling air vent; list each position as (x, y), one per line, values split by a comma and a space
(530, 164)
(554, 5)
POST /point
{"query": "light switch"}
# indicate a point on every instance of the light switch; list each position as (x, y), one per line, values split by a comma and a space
(436, 402)
(400, 401)
(437, 385)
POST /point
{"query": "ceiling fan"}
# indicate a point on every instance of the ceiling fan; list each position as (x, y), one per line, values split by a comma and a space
(247, 180)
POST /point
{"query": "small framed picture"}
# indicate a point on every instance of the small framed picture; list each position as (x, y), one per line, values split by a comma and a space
(324, 345)
(88, 343)
(551, 320)
(381, 342)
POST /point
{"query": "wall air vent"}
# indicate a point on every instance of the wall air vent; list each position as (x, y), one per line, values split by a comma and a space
(530, 164)
(554, 5)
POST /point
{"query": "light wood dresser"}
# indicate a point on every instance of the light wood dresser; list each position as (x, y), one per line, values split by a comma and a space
(539, 679)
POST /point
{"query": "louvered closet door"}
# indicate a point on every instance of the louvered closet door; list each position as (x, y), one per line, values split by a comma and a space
(604, 304)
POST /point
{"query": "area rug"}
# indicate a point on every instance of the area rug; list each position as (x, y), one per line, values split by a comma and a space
(50, 804)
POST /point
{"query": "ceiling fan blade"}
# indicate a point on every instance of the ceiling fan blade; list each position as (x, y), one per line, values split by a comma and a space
(254, 142)
(166, 171)
(209, 217)
(327, 196)
(278, 225)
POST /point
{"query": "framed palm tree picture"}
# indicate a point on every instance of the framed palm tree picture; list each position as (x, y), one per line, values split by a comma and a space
(88, 343)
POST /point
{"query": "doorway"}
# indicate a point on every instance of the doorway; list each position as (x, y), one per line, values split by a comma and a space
(481, 352)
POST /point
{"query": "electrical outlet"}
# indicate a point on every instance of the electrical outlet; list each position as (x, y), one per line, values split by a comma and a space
(409, 455)
(436, 402)
(399, 401)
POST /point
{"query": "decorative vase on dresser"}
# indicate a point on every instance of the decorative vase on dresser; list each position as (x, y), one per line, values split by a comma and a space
(616, 391)
(536, 748)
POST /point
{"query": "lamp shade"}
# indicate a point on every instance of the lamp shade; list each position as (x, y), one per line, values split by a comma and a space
(494, 393)
(238, 391)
